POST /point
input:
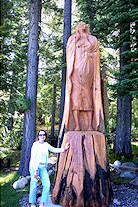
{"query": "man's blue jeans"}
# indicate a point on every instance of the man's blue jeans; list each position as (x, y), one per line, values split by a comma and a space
(42, 172)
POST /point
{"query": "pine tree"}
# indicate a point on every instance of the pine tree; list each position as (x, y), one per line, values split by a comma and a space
(29, 132)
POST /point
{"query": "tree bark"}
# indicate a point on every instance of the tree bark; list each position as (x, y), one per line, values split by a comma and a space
(105, 99)
(53, 111)
(123, 130)
(29, 131)
(66, 35)
(83, 177)
(11, 109)
(10, 120)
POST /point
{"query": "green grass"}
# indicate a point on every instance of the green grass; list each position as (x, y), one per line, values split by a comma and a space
(115, 178)
(9, 196)
(14, 156)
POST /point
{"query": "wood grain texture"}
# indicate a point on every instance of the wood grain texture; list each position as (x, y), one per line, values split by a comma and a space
(83, 83)
(83, 178)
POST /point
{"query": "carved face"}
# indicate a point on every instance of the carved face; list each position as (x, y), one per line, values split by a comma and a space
(82, 27)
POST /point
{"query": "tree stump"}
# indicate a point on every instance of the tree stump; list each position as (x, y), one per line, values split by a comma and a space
(83, 178)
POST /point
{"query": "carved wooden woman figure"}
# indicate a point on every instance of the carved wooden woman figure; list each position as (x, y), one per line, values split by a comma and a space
(83, 103)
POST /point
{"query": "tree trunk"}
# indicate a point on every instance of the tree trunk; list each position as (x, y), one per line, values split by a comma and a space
(105, 99)
(11, 109)
(66, 35)
(123, 130)
(10, 120)
(83, 177)
(29, 131)
(53, 111)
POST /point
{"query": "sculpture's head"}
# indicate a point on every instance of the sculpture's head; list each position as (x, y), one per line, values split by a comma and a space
(82, 27)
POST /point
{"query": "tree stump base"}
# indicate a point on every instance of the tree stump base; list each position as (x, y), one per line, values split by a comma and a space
(83, 178)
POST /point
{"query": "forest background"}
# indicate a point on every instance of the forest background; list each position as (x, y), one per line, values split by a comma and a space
(114, 23)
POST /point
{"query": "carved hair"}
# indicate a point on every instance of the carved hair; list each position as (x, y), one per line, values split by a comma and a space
(77, 30)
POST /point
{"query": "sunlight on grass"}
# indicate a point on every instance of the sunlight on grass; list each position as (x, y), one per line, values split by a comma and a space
(5, 179)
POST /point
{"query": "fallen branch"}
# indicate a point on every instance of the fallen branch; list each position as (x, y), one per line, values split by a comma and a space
(128, 168)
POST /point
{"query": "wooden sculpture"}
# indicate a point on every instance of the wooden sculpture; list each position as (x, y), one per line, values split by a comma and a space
(83, 174)
(83, 103)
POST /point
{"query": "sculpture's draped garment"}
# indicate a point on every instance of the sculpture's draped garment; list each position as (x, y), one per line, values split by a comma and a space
(81, 78)
(83, 84)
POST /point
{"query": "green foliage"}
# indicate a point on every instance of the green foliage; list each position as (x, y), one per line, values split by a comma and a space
(45, 103)
(14, 156)
(50, 53)
(111, 123)
(19, 103)
(12, 138)
(14, 37)
(121, 19)
(13, 43)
